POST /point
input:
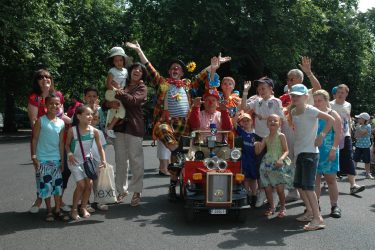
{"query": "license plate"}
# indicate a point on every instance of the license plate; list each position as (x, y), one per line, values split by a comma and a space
(218, 211)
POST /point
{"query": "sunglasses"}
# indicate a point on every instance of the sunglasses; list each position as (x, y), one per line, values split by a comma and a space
(41, 77)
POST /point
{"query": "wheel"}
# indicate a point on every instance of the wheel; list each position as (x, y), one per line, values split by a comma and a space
(240, 215)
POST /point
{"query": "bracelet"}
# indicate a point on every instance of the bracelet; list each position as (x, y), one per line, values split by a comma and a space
(333, 148)
(323, 134)
(33, 157)
(70, 153)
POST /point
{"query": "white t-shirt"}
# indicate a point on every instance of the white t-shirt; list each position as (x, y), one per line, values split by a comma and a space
(94, 150)
(265, 108)
(119, 75)
(305, 128)
(344, 111)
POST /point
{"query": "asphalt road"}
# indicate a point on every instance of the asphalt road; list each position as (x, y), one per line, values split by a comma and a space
(158, 224)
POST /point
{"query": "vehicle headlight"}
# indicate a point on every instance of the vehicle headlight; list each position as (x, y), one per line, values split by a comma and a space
(199, 156)
(222, 164)
(210, 163)
(235, 154)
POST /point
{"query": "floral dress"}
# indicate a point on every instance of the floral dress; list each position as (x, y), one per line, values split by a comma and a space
(270, 175)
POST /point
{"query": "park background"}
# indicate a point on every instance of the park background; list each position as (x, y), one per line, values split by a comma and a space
(71, 39)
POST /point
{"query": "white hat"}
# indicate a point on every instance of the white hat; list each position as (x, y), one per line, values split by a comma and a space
(116, 51)
(286, 88)
(364, 116)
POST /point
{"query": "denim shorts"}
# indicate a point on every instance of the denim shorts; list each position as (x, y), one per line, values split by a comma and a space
(305, 174)
(362, 154)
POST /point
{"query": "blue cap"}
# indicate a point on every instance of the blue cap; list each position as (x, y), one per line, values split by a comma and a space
(334, 90)
(298, 89)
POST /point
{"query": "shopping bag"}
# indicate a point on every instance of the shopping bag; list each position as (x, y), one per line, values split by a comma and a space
(105, 189)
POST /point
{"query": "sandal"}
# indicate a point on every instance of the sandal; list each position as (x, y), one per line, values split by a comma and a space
(305, 218)
(74, 214)
(61, 216)
(50, 217)
(269, 212)
(282, 213)
(135, 200)
(313, 226)
(121, 197)
(84, 212)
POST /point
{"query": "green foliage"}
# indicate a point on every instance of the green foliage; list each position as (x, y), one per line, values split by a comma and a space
(264, 37)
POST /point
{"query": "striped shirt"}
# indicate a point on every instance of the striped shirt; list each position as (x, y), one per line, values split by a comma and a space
(178, 101)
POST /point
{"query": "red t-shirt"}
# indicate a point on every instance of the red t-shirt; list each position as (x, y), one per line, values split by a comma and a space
(39, 102)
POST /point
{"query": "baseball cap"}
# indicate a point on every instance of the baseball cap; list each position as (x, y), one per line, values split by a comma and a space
(244, 115)
(334, 90)
(364, 116)
(266, 80)
(298, 89)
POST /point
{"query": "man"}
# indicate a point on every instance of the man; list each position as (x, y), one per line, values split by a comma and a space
(343, 108)
(295, 76)
(173, 104)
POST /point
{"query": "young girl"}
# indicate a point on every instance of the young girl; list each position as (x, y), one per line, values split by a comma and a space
(273, 171)
(245, 131)
(82, 122)
(305, 122)
(47, 149)
(116, 79)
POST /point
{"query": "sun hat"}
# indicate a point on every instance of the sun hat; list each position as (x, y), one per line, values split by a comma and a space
(364, 116)
(298, 89)
(116, 51)
(244, 115)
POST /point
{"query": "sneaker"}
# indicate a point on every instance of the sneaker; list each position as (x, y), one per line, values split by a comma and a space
(369, 176)
(356, 189)
(261, 199)
(110, 133)
(34, 209)
(335, 212)
(65, 208)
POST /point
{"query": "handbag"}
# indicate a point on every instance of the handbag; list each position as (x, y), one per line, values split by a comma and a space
(89, 164)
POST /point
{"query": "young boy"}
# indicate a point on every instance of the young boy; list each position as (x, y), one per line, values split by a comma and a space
(343, 108)
(363, 144)
(305, 120)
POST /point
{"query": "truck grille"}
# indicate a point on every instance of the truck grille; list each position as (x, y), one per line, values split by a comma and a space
(219, 189)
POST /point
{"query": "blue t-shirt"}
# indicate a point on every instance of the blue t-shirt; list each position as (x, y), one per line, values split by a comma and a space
(248, 149)
(48, 147)
(365, 141)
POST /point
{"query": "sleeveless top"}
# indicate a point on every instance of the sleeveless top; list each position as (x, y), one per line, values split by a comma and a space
(274, 149)
(87, 142)
(48, 147)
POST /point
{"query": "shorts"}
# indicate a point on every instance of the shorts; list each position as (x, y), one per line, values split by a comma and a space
(346, 157)
(78, 172)
(50, 179)
(362, 154)
(305, 174)
(163, 153)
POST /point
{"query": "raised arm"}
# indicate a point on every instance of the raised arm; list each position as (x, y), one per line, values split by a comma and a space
(306, 68)
(245, 92)
(137, 48)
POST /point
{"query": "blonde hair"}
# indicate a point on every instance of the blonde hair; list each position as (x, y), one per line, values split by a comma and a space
(343, 86)
(228, 78)
(325, 95)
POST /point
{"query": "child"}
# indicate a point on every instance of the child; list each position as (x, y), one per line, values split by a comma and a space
(81, 121)
(305, 121)
(47, 149)
(116, 79)
(245, 131)
(363, 143)
(273, 173)
(262, 107)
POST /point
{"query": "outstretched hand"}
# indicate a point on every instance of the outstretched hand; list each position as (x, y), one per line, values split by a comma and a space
(247, 86)
(305, 65)
(197, 102)
(224, 59)
(135, 46)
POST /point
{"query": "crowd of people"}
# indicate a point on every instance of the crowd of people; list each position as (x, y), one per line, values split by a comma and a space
(289, 143)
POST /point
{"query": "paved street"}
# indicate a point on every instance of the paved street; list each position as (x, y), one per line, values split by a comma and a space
(158, 224)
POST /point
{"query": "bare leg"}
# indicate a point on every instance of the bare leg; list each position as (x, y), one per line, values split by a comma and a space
(253, 186)
(311, 197)
(317, 185)
(86, 197)
(269, 196)
(306, 201)
(80, 186)
(281, 194)
(332, 188)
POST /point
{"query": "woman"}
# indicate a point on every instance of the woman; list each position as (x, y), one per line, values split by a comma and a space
(42, 87)
(129, 135)
(329, 152)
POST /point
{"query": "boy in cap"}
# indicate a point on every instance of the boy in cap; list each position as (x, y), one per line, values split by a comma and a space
(363, 143)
